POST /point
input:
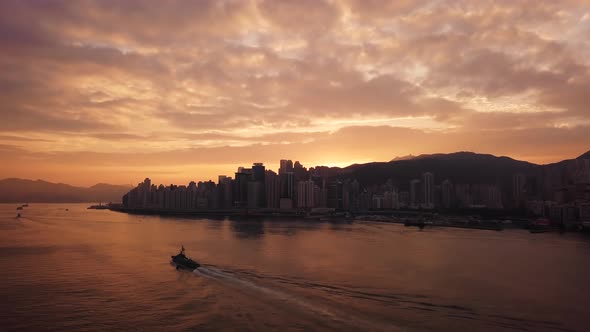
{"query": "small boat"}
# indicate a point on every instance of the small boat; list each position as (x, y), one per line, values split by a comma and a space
(19, 208)
(418, 223)
(540, 225)
(98, 207)
(181, 261)
(26, 205)
(18, 215)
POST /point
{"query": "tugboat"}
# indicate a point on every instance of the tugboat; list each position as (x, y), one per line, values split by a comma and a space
(181, 261)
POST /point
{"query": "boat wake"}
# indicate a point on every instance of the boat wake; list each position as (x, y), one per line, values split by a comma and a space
(337, 303)
(273, 292)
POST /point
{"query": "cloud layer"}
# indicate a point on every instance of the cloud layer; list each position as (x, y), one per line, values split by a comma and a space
(191, 89)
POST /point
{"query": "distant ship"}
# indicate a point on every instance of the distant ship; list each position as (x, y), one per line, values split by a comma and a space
(99, 207)
(181, 261)
(540, 225)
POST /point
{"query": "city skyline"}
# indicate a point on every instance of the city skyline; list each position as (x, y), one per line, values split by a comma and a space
(465, 182)
(100, 91)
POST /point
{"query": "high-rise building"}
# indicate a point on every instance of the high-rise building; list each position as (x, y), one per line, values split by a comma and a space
(404, 199)
(415, 191)
(258, 175)
(272, 189)
(305, 194)
(428, 190)
(258, 171)
(463, 195)
(335, 194)
(254, 189)
(225, 192)
(242, 177)
(391, 200)
(377, 201)
(300, 172)
(287, 185)
(286, 166)
(518, 187)
(447, 194)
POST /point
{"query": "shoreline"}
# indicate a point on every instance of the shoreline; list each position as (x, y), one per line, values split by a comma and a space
(409, 219)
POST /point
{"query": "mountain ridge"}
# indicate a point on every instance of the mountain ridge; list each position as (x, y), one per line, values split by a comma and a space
(14, 190)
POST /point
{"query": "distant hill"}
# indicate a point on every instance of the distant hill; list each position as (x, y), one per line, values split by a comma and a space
(14, 190)
(404, 158)
(466, 167)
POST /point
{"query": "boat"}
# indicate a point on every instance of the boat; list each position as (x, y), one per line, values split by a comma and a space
(26, 205)
(418, 223)
(540, 225)
(18, 215)
(19, 208)
(98, 207)
(181, 261)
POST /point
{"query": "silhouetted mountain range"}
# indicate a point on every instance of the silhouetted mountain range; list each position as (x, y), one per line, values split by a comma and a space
(467, 168)
(457, 167)
(22, 191)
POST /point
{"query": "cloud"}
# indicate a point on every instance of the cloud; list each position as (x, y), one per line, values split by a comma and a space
(254, 79)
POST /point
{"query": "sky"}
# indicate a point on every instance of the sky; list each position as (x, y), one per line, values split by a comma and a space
(114, 91)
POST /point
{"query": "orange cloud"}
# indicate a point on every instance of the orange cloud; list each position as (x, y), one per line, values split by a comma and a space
(119, 90)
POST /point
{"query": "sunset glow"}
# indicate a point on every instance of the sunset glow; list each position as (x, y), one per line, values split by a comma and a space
(100, 91)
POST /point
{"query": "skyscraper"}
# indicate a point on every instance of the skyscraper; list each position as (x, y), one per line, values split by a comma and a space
(225, 192)
(518, 187)
(447, 192)
(305, 194)
(287, 185)
(428, 190)
(415, 194)
(242, 177)
(272, 189)
(335, 195)
(286, 166)
(258, 175)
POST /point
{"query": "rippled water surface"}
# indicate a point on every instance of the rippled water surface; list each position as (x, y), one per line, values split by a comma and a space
(97, 270)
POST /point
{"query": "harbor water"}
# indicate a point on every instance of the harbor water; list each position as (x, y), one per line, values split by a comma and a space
(66, 268)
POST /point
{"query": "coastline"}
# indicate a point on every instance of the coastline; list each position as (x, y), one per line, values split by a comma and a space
(407, 218)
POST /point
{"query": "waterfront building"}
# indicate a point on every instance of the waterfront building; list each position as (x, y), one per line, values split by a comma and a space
(273, 189)
(428, 190)
(415, 191)
(463, 195)
(241, 187)
(518, 188)
(305, 194)
(254, 190)
(287, 185)
(286, 203)
(335, 194)
(447, 194)
(286, 166)
(259, 175)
